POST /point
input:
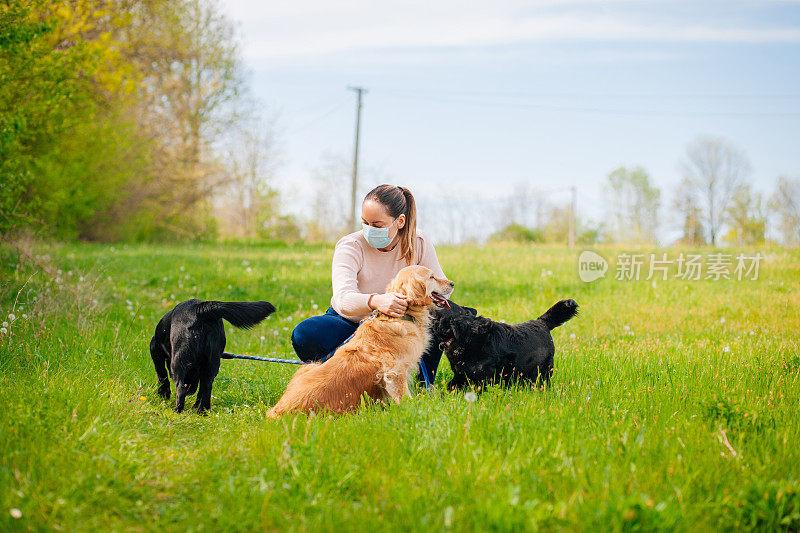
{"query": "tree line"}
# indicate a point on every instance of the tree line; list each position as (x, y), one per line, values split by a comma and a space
(714, 203)
(133, 120)
(120, 119)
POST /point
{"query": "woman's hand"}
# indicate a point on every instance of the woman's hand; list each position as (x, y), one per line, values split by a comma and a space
(392, 304)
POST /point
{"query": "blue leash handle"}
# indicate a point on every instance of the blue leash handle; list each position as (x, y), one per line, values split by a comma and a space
(424, 370)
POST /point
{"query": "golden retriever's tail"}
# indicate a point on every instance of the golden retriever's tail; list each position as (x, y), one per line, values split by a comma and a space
(559, 313)
(239, 314)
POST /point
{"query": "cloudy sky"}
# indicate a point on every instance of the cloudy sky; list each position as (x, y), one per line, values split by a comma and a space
(475, 97)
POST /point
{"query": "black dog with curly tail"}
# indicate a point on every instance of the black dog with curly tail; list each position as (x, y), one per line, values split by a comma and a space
(482, 351)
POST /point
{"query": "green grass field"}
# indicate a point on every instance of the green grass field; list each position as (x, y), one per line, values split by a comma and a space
(675, 404)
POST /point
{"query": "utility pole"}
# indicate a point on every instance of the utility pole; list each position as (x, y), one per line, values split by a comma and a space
(359, 91)
(572, 218)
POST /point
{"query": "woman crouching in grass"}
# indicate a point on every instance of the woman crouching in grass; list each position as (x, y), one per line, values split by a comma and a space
(364, 263)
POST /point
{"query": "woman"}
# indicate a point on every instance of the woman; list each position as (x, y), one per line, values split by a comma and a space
(364, 263)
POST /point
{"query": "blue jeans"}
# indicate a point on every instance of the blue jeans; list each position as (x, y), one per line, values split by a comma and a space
(315, 338)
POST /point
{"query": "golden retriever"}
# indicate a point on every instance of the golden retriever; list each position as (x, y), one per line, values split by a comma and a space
(380, 358)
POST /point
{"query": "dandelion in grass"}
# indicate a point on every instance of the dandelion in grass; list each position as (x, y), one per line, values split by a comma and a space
(5, 324)
(263, 338)
(24, 317)
(249, 269)
(12, 317)
(572, 336)
(314, 306)
(722, 320)
(3, 331)
(15, 513)
(470, 397)
(726, 349)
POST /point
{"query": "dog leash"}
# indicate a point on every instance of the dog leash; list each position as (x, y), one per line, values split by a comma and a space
(225, 355)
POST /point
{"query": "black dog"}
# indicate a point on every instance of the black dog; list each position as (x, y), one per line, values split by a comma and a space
(189, 342)
(482, 351)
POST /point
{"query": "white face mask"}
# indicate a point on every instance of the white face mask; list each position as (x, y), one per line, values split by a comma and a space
(377, 237)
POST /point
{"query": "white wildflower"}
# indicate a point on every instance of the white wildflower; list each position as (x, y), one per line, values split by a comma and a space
(16, 513)
(722, 320)
(5, 324)
(572, 336)
(3, 331)
(470, 397)
(726, 349)
(12, 317)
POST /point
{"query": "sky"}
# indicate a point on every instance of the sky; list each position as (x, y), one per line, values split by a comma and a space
(474, 99)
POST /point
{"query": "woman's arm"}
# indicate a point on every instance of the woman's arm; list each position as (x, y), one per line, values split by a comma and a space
(347, 260)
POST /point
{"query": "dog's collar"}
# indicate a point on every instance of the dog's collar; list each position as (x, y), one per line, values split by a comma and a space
(407, 317)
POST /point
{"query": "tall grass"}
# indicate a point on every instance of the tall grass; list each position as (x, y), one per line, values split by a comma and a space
(675, 405)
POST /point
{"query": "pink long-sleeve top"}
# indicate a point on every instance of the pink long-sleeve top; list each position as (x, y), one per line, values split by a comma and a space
(360, 270)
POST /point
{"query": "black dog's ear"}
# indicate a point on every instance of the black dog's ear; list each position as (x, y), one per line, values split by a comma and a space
(468, 328)
(472, 311)
(481, 325)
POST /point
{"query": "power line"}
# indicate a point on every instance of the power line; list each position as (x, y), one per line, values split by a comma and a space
(338, 105)
(594, 110)
(534, 94)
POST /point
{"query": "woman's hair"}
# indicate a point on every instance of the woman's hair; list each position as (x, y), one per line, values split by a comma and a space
(399, 201)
